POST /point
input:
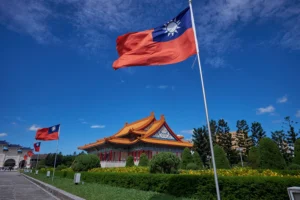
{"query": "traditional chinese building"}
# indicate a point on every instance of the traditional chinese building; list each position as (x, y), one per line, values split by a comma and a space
(148, 135)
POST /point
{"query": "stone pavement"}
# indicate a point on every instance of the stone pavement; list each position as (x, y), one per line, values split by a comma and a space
(14, 186)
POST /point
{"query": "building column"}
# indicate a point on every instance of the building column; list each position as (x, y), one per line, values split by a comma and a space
(110, 156)
(120, 153)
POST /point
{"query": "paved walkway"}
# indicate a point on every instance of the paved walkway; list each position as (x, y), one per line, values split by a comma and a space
(14, 186)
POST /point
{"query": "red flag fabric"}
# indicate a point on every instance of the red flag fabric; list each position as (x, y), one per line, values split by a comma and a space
(25, 157)
(37, 146)
(170, 43)
(29, 153)
(46, 134)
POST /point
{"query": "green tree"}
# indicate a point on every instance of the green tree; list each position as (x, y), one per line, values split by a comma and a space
(296, 159)
(213, 129)
(85, 162)
(197, 160)
(129, 161)
(186, 158)
(253, 158)
(143, 160)
(201, 143)
(279, 137)
(257, 133)
(292, 135)
(224, 140)
(269, 155)
(50, 158)
(220, 158)
(243, 139)
(164, 162)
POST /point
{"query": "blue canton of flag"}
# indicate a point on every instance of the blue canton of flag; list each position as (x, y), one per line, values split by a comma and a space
(53, 129)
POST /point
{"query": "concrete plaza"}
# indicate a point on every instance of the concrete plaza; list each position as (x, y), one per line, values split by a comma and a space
(14, 186)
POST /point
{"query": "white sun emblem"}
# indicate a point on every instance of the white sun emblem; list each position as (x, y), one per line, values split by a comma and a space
(171, 27)
(53, 128)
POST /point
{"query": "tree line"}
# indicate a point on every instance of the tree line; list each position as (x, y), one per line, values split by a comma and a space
(246, 138)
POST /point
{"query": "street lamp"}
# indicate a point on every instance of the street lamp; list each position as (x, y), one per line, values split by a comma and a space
(240, 150)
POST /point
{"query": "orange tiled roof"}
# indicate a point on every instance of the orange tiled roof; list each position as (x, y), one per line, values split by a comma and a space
(145, 135)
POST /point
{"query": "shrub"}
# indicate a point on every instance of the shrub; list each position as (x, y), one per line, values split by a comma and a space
(60, 167)
(164, 162)
(143, 160)
(85, 162)
(192, 166)
(197, 160)
(294, 167)
(199, 186)
(186, 158)
(269, 155)
(296, 159)
(129, 161)
(253, 157)
(133, 169)
(220, 158)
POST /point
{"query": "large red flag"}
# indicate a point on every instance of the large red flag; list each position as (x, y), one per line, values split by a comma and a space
(50, 133)
(29, 153)
(37, 146)
(170, 43)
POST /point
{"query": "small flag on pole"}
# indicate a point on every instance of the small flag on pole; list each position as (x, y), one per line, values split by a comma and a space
(170, 43)
(25, 157)
(45, 134)
(37, 146)
(29, 153)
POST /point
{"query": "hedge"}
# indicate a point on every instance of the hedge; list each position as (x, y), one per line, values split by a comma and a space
(199, 187)
(195, 186)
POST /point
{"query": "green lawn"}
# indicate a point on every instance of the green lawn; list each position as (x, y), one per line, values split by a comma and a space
(94, 191)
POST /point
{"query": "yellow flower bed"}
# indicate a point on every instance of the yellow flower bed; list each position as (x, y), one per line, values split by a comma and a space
(122, 169)
(221, 172)
(237, 172)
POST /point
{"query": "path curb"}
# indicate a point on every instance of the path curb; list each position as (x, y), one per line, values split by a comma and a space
(61, 194)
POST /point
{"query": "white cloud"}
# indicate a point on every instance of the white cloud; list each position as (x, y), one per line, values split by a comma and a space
(20, 119)
(298, 113)
(215, 62)
(82, 121)
(187, 131)
(283, 99)
(3, 134)
(268, 109)
(163, 87)
(34, 127)
(98, 126)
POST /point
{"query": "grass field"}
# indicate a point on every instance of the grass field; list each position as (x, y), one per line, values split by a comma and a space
(93, 191)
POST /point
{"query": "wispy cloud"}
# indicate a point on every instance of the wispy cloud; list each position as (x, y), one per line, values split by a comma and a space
(3, 134)
(187, 131)
(98, 126)
(20, 119)
(163, 87)
(34, 127)
(148, 86)
(14, 123)
(215, 62)
(298, 113)
(82, 121)
(283, 99)
(268, 109)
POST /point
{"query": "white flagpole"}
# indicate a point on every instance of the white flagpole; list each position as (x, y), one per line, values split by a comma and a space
(55, 155)
(205, 105)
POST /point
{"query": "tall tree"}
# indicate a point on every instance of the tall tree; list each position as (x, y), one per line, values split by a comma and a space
(243, 139)
(257, 133)
(201, 144)
(291, 133)
(224, 139)
(213, 128)
(186, 158)
(296, 159)
(279, 137)
(220, 158)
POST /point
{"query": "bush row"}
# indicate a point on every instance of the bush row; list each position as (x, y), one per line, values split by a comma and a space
(198, 186)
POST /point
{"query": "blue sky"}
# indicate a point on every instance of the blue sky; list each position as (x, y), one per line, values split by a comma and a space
(56, 67)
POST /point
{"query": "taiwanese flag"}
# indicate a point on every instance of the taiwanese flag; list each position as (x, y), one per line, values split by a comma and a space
(37, 146)
(29, 153)
(170, 43)
(25, 157)
(50, 133)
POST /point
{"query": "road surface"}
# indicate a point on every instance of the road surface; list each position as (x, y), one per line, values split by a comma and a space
(14, 186)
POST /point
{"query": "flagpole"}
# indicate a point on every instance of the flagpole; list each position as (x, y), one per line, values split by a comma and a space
(205, 105)
(55, 155)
